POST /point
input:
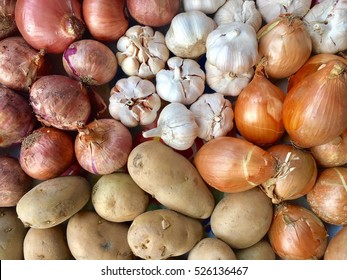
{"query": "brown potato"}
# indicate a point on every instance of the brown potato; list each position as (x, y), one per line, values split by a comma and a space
(171, 178)
(46, 244)
(91, 237)
(12, 234)
(53, 201)
(162, 234)
(261, 250)
(242, 219)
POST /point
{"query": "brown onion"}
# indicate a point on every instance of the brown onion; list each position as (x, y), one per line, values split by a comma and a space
(8, 24)
(103, 146)
(46, 153)
(16, 117)
(232, 164)
(328, 198)
(60, 101)
(105, 19)
(314, 110)
(296, 176)
(337, 249)
(90, 62)
(296, 233)
(19, 63)
(286, 45)
(14, 182)
(332, 153)
(154, 13)
(50, 25)
(258, 111)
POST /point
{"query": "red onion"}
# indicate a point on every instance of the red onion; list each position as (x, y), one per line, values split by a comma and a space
(16, 117)
(8, 24)
(46, 153)
(14, 182)
(60, 101)
(103, 146)
(50, 25)
(19, 63)
(90, 61)
(105, 19)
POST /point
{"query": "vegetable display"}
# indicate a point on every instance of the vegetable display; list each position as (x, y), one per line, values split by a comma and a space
(158, 130)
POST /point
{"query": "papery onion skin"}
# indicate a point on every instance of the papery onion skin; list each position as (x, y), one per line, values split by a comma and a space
(46, 153)
(296, 233)
(105, 19)
(328, 198)
(20, 64)
(286, 45)
(153, 13)
(14, 182)
(258, 111)
(16, 117)
(60, 101)
(314, 110)
(337, 249)
(8, 24)
(297, 173)
(231, 164)
(50, 25)
(90, 62)
(103, 146)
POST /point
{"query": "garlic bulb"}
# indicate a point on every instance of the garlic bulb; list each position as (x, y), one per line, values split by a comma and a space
(134, 101)
(176, 127)
(206, 6)
(327, 25)
(271, 9)
(142, 52)
(187, 34)
(225, 47)
(239, 10)
(227, 83)
(214, 115)
(184, 82)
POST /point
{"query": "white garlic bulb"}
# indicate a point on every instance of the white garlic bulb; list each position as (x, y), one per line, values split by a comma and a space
(142, 52)
(327, 25)
(232, 47)
(214, 115)
(187, 34)
(176, 127)
(133, 101)
(239, 10)
(184, 82)
(227, 83)
(271, 9)
(206, 6)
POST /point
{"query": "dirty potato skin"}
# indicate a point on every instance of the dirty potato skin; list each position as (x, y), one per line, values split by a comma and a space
(171, 179)
(163, 233)
(91, 237)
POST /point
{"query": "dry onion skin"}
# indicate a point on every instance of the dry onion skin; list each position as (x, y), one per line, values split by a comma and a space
(231, 164)
(337, 249)
(328, 198)
(296, 233)
(8, 24)
(296, 175)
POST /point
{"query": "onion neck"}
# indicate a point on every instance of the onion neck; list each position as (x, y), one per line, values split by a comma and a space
(89, 135)
(338, 69)
(73, 26)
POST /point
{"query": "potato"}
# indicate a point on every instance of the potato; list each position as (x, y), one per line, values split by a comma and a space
(242, 219)
(211, 249)
(163, 233)
(46, 244)
(12, 234)
(53, 201)
(337, 249)
(91, 237)
(261, 250)
(117, 198)
(171, 179)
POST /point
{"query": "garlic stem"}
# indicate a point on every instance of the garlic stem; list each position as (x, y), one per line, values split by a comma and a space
(154, 132)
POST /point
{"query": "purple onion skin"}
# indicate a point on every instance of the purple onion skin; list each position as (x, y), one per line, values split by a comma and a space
(8, 25)
(60, 101)
(16, 118)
